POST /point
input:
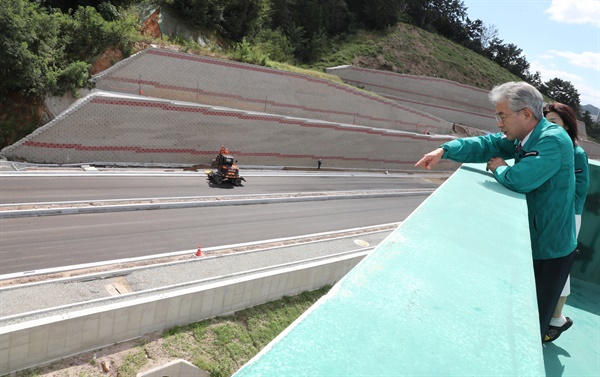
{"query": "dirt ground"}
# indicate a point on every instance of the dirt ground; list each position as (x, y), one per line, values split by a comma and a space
(107, 361)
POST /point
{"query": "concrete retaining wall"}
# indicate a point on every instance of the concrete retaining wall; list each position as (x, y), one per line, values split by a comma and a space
(39, 341)
(105, 127)
(187, 77)
(280, 118)
(446, 99)
(449, 100)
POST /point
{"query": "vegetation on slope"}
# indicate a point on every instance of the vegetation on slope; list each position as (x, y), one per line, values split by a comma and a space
(50, 45)
(407, 49)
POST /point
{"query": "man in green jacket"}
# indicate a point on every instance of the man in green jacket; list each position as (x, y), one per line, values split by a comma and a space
(543, 171)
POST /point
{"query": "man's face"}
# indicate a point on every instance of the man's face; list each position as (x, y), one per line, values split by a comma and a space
(511, 123)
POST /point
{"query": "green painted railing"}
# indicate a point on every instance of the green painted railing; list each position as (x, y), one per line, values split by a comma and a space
(450, 292)
(587, 261)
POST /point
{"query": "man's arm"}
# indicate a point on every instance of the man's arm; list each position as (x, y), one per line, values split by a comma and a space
(430, 159)
(538, 165)
(480, 148)
(470, 149)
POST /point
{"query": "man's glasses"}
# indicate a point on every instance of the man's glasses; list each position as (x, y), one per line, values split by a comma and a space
(500, 118)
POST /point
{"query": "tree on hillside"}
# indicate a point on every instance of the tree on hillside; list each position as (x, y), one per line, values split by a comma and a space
(340, 19)
(242, 18)
(535, 80)
(376, 14)
(32, 62)
(508, 56)
(478, 35)
(450, 22)
(47, 51)
(443, 16)
(309, 25)
(562, 91)
(471, 35)
(592, 129)
(65, 5)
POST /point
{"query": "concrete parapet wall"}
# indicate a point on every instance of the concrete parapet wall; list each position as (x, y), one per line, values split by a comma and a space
(187, 77)
(39, 341)
(457, 103)
(443, 295)
(451, 292)
(586, 265)
(105, 127)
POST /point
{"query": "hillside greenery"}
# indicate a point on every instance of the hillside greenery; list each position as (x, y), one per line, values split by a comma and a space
(50, 45)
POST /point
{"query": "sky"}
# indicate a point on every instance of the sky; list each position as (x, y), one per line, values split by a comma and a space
(559, 38)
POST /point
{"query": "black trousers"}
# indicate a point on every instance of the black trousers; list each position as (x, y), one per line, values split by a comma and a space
(550, 278)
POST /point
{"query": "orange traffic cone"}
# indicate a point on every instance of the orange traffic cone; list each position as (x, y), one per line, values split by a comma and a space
(199, 252)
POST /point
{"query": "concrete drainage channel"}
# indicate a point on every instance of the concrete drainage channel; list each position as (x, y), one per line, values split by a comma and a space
(42, 321)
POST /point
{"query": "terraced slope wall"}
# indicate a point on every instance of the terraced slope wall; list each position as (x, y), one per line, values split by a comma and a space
(187, 77)
(592, 149)
(105, 127)
(449, 100)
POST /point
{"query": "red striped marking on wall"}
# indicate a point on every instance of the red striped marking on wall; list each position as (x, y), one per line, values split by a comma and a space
(239, 98)
(416, 78)
(80, 147)
(245, 116)
(393, 89)
(249, 67)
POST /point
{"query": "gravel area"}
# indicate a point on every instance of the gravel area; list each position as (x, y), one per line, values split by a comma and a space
(57, 297)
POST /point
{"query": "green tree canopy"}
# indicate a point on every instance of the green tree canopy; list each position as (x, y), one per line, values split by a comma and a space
(508, 56)
(30, 57)
(47, 51)
(562, 91)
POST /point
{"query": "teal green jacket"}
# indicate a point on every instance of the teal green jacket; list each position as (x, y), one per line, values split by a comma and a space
(582, 178)
(543, 171)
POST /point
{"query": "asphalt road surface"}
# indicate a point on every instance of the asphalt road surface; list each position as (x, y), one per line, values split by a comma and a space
(35, 189)
(34, 243)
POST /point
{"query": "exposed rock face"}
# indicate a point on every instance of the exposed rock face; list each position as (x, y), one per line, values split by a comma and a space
(107, 59)
(150, 27)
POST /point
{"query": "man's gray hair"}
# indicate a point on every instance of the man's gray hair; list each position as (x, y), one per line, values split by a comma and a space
(519, 96)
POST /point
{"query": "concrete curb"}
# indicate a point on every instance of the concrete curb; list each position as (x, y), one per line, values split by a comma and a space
(194, 204)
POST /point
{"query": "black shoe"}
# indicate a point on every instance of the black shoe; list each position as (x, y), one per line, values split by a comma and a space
(554, 332)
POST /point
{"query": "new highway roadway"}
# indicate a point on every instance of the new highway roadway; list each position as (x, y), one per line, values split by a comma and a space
(34, 242)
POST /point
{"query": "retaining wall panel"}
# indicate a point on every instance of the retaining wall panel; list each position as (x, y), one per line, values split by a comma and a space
(221, 83)
(448, 100)
(31, 343)
(141, 130)
(89, 334)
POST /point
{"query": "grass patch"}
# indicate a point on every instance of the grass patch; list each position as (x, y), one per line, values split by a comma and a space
(224, 344)
(133, 362)
(220, 345)
(410, 50)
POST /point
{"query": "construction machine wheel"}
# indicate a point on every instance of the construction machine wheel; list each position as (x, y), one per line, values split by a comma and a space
(237, 182)
(218, 179)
